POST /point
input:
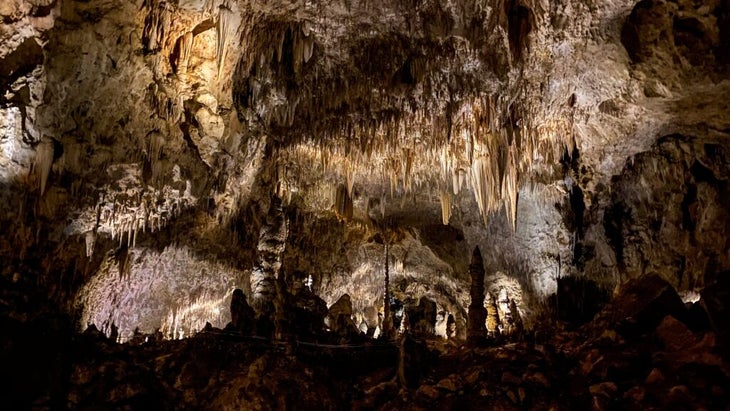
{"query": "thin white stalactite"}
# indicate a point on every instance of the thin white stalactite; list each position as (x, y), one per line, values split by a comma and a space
(226, 29)
(445, 199)
(43, 163)
(186, 46)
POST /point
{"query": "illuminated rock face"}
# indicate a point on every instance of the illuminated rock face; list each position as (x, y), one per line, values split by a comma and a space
(545, 134)
(173, 291)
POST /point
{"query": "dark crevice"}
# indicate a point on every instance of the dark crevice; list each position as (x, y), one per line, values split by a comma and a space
(521, 21)
(20, 62)
(614, 218)
(702, 173)
(723, 24)
(689, 208)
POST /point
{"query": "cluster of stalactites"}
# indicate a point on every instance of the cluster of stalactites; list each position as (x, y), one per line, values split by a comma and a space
(269, 48)
(482, 154)
(132, 208)
(125, 220)
(156, 25)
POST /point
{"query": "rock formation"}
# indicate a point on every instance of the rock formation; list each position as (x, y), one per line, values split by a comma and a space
(271, 244)
(242, 315)
(492, 322)
(421, 318)
(450, 327)
(477, 312)
(339, 318)
(156, 154)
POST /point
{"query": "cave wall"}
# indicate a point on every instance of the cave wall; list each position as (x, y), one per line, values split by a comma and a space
(172, 291)
(669, 212)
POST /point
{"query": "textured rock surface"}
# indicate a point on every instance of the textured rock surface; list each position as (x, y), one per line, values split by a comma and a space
(669, 214)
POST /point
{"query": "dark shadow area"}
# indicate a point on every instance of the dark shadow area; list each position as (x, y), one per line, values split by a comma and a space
(577, 300)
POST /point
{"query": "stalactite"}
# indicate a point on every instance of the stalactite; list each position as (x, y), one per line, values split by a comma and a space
(495, 144)
(350, 180)
(387, 319)
(509, 188)
(408, 156)
(225, 30)
(308, 48)
(90, 240)
(43, 163)
(186, 46)
(343, 203)
(445, 199)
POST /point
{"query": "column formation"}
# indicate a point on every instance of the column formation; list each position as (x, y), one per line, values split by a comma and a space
(476, 329)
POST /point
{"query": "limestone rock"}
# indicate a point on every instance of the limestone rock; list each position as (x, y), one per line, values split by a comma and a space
(655, 88)
(339, 318)
(642, 304)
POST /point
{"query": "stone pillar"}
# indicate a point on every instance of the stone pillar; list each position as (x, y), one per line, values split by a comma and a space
(492, 317)
(272, 238)
(476, 329)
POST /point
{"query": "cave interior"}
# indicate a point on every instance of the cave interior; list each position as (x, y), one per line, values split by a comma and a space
(365, 204)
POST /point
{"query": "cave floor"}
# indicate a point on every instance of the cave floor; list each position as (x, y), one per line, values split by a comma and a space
(666, 367)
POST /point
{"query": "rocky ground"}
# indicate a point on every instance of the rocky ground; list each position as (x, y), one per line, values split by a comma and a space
(644, 350)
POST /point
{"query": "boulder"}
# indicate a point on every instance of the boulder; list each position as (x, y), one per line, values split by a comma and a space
(242, 315)
(339, 318)
(309, 313)
(642, 303)
(422, 317)
(716, 301)
(674, 335)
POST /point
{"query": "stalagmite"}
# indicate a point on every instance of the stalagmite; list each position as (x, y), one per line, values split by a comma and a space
(242, 315)
(477, 313)
(272, 238)
(504, 308)
(492, 316)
